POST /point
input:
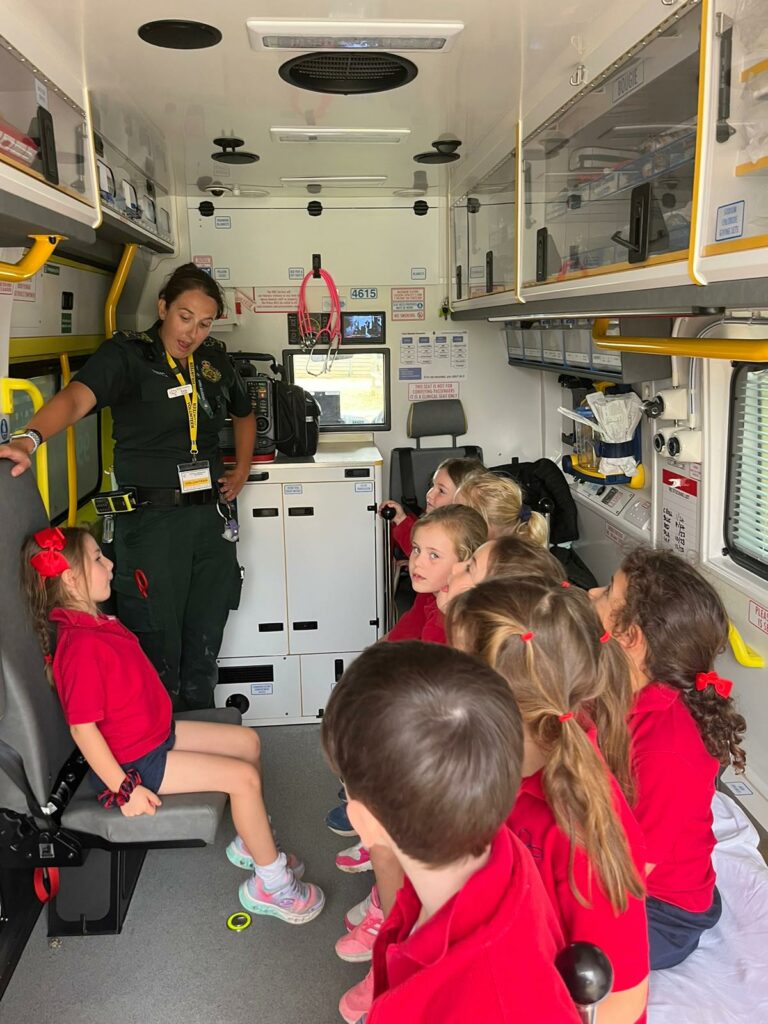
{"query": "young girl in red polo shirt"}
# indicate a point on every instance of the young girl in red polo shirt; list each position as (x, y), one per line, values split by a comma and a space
(684, 726)
(119, 714)
(550, 646)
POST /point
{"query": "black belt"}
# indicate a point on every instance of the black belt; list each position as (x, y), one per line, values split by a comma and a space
(167, 497)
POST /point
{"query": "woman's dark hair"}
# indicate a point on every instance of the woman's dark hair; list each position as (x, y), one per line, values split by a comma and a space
(189, 278)
(685, 627)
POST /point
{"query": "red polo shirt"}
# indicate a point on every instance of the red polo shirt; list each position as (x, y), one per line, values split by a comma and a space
(675, 776)
(102, 675)
(401, 534)
(410, 626)
(486, 956)
(434, 628)
(623, 937)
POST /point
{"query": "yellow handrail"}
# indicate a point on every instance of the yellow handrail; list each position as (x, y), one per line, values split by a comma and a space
(66, 377)
(701, 348)
(32, 260)
(7, 386)
(116, 289)
(742, 652)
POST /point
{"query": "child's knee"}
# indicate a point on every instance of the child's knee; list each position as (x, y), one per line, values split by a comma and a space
(253, 746)
(247, 779)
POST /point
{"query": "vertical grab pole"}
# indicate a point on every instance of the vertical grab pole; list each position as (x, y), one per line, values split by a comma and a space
(387, 514)
(116, 289)
(66, 377)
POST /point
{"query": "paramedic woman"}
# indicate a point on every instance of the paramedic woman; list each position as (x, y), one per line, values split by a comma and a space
(170, 389)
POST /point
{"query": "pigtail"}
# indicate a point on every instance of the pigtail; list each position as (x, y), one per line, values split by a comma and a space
(533, 528)
(721, 727)
(609, 712)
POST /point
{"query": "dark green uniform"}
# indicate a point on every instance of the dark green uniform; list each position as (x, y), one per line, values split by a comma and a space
(192, 574)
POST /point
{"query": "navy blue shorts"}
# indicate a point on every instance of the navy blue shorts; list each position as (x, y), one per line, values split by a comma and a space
(674, 933)
(151, 767)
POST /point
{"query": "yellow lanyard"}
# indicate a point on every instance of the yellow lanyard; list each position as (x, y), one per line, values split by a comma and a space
(189, 401)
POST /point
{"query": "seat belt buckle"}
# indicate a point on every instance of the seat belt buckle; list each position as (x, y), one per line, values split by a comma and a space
(111, 503)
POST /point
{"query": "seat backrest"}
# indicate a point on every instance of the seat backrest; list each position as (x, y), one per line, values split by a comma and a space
(546, 490)
(31, 720)
(411, 469)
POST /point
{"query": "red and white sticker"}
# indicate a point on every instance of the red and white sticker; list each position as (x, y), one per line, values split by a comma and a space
(758, 616)
(431, 390)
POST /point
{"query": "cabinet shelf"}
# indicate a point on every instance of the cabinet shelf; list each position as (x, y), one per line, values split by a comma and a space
(754, 71)
(755, 167)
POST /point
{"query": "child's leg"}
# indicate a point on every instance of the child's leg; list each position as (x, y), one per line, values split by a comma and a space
(188, 771)
(389, 876)
(214, 738)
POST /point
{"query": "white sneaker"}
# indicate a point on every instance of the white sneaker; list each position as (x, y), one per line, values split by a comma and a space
(354, 917)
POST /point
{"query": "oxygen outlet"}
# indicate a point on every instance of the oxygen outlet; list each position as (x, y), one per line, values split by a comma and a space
(685, 446)
(659, 443)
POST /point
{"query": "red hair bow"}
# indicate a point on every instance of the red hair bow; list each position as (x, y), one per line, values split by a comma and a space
(50, 561)
(722, 687)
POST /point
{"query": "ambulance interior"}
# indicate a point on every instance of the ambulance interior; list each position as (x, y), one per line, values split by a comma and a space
(523, 207)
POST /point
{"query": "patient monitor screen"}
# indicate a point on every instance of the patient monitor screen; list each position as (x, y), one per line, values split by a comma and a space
(353, 394)
(363, 327)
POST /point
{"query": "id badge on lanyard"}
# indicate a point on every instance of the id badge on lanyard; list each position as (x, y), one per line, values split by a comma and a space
(196, 474)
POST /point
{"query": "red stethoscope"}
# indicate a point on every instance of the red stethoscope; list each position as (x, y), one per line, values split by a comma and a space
(310, 333)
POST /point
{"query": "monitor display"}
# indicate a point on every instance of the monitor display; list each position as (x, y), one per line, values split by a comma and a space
(353, 395)
(359, 328)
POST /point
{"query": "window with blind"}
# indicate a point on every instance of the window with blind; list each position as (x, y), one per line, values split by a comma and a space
(746, 513)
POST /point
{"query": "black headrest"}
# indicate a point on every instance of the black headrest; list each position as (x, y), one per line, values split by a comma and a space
(444, 416)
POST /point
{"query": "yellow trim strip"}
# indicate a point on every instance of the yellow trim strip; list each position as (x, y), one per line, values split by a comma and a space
(705, 59)
(64, 262)
(742, 652)
(613, 268)
(7, 386)
(754, 71)
(66, 377)
(751, 168)
(116, 290)
(24, 349)
(32, 260)
(704, 348)
(737, 245)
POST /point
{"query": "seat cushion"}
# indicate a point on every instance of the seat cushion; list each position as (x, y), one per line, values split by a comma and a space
(183, 818)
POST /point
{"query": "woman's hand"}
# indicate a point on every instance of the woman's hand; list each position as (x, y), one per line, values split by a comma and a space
(18, 453)
(141, 801)
(400, 513)
(233, 482)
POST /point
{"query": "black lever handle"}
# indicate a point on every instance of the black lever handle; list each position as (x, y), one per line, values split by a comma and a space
(723, 129)
(388, 513)
(617, 238)
(587, 974)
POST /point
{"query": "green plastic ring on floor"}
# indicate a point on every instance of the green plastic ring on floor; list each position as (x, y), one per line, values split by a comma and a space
(239, 922)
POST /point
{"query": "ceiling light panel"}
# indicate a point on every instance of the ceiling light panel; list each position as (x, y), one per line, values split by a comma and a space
(339, 181)
(310, 133)
(298, 34)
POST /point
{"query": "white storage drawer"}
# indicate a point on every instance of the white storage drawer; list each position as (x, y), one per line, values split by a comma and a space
(264, 690)
(319, 674)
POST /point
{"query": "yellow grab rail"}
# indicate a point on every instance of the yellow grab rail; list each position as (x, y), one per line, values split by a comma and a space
(66, 377)
(7, 386)
(32, 260)
(742, 652)
(695, 348)
(116, 289)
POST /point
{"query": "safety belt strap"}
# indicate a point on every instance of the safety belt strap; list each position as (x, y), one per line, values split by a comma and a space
(407, 483)
(12, 765)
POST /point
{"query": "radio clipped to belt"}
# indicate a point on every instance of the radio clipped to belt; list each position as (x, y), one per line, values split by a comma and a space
(111, 504)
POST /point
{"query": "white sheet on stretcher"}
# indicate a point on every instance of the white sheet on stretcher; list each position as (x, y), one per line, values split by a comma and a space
(725, 981)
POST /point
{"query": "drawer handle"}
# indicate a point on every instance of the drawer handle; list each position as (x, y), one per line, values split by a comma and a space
(271, 627)
(265, 513)
(258, 476)
(301, 510)
(305, 625)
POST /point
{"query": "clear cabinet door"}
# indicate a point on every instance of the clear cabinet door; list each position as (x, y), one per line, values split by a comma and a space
(491, 215)
(460, 232)
(42, 131)
(609, 178)
(734, 226)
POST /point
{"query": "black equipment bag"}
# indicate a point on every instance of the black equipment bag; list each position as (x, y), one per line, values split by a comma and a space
(546, 490)
(298, 415)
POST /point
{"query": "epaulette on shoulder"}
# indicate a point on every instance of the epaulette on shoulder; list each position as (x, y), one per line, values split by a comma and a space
(138, 336)
(214, 343)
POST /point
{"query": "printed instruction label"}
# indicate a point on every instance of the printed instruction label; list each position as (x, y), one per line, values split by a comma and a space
(26, 291)
(222, 222)
(627, 82)
(295, 273)
(293, 488)
(364, 487)
(418, 273)
(204, 263)
(430, 391)
(436, 357)
(739, 789)
(262, 689)
(758, 616)
(680, 514)
(221, 273)
(408, 304)
(730, 221)
(268, 300)
(41, 93)
(620, 539)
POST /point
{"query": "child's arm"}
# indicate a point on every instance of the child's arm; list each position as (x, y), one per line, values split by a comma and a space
(96, 752)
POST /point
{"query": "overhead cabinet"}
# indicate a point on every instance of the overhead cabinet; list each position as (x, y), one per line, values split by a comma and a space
(484, 226)
(609, 179)
(734, 228)
(45, 158)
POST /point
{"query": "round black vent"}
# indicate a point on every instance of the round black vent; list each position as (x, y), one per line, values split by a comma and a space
(229, 152)
(348, 73)
(180, 35)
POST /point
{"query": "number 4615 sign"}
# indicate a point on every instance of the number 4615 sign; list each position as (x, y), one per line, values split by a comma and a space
(363, 293)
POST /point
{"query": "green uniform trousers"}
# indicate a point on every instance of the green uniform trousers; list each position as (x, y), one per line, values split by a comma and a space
(192, 582)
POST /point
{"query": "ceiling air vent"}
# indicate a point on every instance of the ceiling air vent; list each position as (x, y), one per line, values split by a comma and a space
(348, 73)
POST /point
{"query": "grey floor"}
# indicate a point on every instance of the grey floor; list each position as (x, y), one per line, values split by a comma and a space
(176, 962)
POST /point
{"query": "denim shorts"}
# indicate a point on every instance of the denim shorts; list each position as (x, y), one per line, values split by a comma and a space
(674, 933)
(151, 767)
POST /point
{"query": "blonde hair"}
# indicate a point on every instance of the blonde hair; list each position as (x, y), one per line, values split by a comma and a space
(514, 557)
(460, 470)
(549, 644)
(44, 593)
(499, 501)
(463, 525)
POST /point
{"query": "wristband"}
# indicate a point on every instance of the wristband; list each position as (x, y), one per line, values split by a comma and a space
(35, 437)
(132, 779)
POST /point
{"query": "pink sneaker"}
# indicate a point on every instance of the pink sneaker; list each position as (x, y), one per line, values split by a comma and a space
(237, 854)
(354, 859)
(354, 916)
(294, 902)
(357, 1001)
(357, 946)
